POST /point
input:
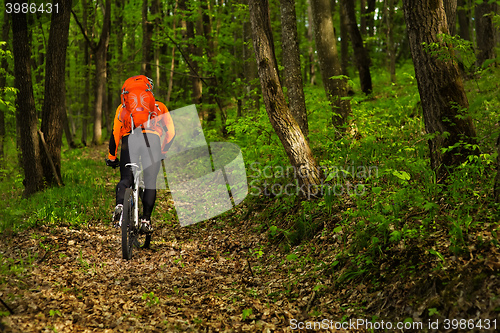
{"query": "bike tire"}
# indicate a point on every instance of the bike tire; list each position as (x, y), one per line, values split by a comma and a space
(141, 240)
(127, 225)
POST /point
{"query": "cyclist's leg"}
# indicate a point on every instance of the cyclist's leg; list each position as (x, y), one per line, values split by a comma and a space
(126, 175)
(150, 176)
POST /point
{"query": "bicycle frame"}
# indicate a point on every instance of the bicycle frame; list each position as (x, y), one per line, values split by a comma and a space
(135, 189)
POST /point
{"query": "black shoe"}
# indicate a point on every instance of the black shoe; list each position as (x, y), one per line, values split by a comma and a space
(117, 214)
(146, 226)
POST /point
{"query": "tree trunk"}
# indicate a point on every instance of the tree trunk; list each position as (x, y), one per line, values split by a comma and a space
(3, 82)
(450, 8)
(250, 68)
(391, 49)
(344, 42)
(25, 106)
(100, 54)
(172, 64)
(310, 37)
(155, 11)
(485, 32)
(86, 76)
(210, 51)
(370, 17)
(440, 86)
(362, 14)
(147, 33)
(284, 124)
(291, 61)
(326, 45)
(363, 61)
(464, 14)
(54, 104)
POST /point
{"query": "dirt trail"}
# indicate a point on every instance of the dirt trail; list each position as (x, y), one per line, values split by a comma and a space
(196, 279)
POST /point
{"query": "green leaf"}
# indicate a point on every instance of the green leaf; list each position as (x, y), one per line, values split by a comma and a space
(433, 311)
(292, 257)
(403, 175)
(377, 190)
(337, 229)
(246, 313)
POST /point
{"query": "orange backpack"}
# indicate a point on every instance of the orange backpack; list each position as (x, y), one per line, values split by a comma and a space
(138, 102)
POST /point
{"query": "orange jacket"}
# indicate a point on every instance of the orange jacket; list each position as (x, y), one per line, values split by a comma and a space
(162, 123)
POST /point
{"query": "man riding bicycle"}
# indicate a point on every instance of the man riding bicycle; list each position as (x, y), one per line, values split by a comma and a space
(139, 119)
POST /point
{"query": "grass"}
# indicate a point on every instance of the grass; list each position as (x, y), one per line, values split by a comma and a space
(87, 195)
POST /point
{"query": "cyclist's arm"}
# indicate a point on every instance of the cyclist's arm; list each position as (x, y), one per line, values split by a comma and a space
(169, 136)
(116, 135)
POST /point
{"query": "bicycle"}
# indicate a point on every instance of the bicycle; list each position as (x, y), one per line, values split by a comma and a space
(129, 220)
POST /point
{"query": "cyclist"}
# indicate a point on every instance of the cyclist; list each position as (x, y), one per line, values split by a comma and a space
(131, 134)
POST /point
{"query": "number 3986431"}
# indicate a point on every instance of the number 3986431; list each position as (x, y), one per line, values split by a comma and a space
(31, 8)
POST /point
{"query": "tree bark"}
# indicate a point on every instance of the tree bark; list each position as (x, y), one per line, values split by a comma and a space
(450, 8)
(25, 106)
(485, 32)
(210, 51)
(464, 15)
(100, 54)
(3, 81)
(310, 37)
(291, 61)
(344, 42)
(440, 86)
(284, 124)
(361, 56)
(326, 46)
(370, 17)
(147, 33)
(252, 99)
(54, 104)
(86, 75)
(391, 49)
(172, 64)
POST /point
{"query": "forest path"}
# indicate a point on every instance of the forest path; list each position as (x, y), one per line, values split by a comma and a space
(197, 278)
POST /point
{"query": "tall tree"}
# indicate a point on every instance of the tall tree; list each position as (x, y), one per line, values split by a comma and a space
(283, 122)
(3, 80)
(326, 45)
(291, 62)
(464, 15)
(391, 48)
(450, 8)
(86, 75)
(485, 31)
(54, 104)
(344, 42)
(196, 83)
(25, 105)
(440, 86)
(100, 50)
(147, 33)
(310, 38)
(250, 67)
(363, 61)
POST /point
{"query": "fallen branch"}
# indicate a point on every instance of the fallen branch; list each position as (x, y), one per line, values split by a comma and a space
(6, 306)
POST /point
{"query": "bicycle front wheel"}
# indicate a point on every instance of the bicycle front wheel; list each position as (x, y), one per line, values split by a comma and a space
(127, 224)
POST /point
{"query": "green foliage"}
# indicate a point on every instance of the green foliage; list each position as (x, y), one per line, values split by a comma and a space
(246, 314)
(84, 197)
(150, 299)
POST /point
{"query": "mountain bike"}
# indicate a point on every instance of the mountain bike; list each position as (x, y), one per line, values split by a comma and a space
(130, 223)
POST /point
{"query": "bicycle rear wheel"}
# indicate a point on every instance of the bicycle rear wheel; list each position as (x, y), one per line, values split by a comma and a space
(142, 240)
(131, 235)
(127, 225)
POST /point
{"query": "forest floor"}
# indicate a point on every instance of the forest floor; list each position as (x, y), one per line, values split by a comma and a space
(197, 278)
(224, 275)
